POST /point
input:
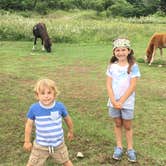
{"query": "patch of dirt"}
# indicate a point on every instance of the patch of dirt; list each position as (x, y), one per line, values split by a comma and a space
(79, 82)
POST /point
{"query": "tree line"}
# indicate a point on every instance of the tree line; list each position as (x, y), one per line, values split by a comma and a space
(125, 8)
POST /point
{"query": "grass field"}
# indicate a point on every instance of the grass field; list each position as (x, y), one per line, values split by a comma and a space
(79, 71)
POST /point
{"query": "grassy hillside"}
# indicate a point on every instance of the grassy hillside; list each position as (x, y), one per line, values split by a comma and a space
(79, 71)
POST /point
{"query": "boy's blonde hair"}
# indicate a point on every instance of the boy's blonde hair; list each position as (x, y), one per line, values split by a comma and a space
(45, 83)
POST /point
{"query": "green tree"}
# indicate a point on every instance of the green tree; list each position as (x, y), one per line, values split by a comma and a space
(126, 8)
(162, 5)
(108, 3)
(121, 8)
(151, 6)
(17, 4)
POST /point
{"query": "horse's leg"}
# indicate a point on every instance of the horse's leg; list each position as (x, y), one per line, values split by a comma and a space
(161, 52)
(43, 49)
(34, 45)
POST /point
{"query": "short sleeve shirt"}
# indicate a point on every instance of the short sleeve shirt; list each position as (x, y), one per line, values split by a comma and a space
(121, 82)
(48, 123)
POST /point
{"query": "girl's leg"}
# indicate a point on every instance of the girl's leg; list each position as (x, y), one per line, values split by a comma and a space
(68, 163)
(129, 137)
(118, 131)
(129, 133)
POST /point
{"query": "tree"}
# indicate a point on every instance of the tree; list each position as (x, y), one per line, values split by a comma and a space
(122, 8)
(35, 2)
(162, 5)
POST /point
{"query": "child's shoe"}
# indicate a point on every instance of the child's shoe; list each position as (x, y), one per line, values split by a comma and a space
(117, 153)
(131, 155)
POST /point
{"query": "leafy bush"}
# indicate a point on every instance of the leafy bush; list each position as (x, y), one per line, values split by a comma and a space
(121, 8)
(160, 14)
(42, 8)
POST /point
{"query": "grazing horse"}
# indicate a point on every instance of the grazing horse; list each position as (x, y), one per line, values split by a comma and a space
(40, 31)
(158, 40)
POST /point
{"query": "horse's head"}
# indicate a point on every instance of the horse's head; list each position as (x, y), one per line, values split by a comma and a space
(47, 45)
(148, 58)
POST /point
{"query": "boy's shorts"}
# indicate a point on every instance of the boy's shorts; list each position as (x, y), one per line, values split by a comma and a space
(39, 154)
(123, 113)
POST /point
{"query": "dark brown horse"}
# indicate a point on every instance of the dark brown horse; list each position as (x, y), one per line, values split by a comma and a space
(158, 40)
(40, 31)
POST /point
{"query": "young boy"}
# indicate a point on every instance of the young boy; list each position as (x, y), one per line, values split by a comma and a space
(47, 115)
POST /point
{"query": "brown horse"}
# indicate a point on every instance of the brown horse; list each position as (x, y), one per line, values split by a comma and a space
(40, 31)
(158, 40)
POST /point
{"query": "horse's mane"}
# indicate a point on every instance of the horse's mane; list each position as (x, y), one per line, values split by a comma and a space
(150, 47)
(43, 30)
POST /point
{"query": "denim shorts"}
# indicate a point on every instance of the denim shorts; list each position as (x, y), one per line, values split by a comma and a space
(123, 113)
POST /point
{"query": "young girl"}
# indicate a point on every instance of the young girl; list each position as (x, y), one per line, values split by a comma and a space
(47, 114)
(122, 75)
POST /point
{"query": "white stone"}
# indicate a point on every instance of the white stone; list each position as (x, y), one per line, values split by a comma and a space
(80, 155)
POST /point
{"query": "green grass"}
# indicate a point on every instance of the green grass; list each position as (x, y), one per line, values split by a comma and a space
(79, 71)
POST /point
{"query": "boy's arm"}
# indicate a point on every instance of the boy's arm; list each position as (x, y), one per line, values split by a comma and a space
(69, 123)
(28, 130)
(129, 91)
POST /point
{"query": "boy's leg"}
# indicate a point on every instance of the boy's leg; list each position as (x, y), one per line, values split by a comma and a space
(68, 163)
(38, 155)
(118, 131)
(129, 133)
(61, 155)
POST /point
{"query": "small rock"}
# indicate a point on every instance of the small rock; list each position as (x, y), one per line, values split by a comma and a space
(80, 155)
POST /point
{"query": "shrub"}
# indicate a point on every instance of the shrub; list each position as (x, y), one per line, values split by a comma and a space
(42, 8)
(121, 8)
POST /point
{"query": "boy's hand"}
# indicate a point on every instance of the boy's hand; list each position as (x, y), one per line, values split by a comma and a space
(27, 146)
(70, 135)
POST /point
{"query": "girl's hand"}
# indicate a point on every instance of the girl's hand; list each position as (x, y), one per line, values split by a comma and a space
(70, 135)
(117, 105)
(27, 146)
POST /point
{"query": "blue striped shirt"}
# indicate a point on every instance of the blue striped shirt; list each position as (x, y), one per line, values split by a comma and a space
(48, 123)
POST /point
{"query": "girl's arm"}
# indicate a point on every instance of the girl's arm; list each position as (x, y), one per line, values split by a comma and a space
(129, 91)
(28, 130)
(111, 93)
(109, 90)
(69, 123)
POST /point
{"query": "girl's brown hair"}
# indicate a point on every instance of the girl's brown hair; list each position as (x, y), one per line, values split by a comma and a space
(130, 59)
